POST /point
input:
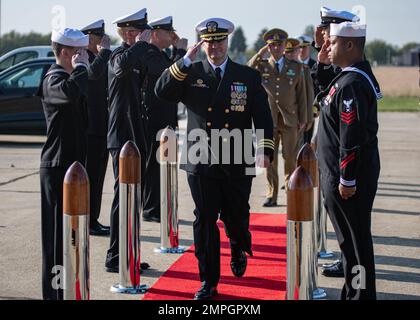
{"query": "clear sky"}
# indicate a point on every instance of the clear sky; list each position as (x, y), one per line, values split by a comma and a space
(396, 22)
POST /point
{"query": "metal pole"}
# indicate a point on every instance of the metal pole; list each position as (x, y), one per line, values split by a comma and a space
(169, 227)
(76, 233)
(300, 236)
(307, 159)
(130, 207)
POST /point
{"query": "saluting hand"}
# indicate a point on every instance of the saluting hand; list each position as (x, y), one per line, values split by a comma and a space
(105, 43)
(81, 57)
(181, 44)
(144, 36)
(263, 50)
(192, 52)
(346, 193)
(319, 38)
(323, 54)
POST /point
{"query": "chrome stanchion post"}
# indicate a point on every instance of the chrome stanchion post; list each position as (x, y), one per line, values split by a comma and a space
(76, 211)
(169, 227)
(299, 236)
(130, 212)
(323, 221)
(307, 159)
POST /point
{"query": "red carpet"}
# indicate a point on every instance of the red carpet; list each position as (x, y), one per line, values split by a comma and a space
(265, 278)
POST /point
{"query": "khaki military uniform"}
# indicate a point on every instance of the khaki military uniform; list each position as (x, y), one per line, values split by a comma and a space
(287, 94)
(310, 97)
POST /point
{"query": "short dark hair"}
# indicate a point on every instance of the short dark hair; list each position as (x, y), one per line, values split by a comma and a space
(57, 47)
(359, 42)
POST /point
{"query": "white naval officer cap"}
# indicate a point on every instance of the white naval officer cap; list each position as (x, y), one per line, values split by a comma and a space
(70, 38)
(136, 20)
(348, 29)
(305, 40)
(214, 29)
(162, 23)
(96, 28)
(329, 16)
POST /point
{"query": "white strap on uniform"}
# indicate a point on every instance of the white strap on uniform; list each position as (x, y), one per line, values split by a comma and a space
(378, 95)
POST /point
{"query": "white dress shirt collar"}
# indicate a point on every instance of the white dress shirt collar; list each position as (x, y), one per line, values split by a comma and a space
(222, 66)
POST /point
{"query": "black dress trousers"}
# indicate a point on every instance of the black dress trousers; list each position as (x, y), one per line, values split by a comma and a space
(352, 224)
(51, 229)
(96, 165)
(151, 191)
(225, 198)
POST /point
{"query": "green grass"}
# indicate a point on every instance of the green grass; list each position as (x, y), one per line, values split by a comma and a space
(399, 104)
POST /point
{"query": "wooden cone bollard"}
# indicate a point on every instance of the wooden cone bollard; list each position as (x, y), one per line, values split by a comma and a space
(299, 236)
(307, 159)
(76, 210)
(169, 227)
(130, 212)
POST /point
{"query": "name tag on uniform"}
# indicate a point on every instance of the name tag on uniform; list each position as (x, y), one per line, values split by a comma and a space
(239, 96)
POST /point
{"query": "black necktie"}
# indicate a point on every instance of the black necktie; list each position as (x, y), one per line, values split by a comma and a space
(218, 75)
(277, 67)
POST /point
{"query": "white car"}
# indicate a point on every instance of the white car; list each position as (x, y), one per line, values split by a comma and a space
(17, 56)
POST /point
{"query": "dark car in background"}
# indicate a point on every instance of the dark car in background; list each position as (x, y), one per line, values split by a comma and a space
(20, 108)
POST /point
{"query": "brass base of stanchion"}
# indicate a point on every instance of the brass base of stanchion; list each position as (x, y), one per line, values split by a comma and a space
(136, 290)
(326, 255)
(179, 250)
(319, 294)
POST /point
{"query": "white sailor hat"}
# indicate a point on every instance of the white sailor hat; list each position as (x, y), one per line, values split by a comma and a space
(70, 38)
(97, 28)
(162, 23)
(305, 40)
(214, 29)
(329, 16)
(348, 29)
(136, 20)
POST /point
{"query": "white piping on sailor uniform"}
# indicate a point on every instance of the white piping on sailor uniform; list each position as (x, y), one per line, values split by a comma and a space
(378, 95)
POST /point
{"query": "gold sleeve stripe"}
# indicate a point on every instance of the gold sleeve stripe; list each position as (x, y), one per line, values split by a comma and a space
(265, 146)
(268, 147)
(175, 71)
(175, 75)
(179, 71)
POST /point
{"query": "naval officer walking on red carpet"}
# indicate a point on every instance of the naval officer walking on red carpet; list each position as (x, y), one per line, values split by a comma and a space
(219, 95)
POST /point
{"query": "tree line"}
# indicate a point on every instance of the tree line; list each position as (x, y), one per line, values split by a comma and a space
(378, 51)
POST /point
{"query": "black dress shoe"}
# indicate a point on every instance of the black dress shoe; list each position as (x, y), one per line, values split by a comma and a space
(112, 269)
(151, 218)
(269, 203)
(334, 270)
(104, 227)
(206, 293)
(238, 263)
(96, 229)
